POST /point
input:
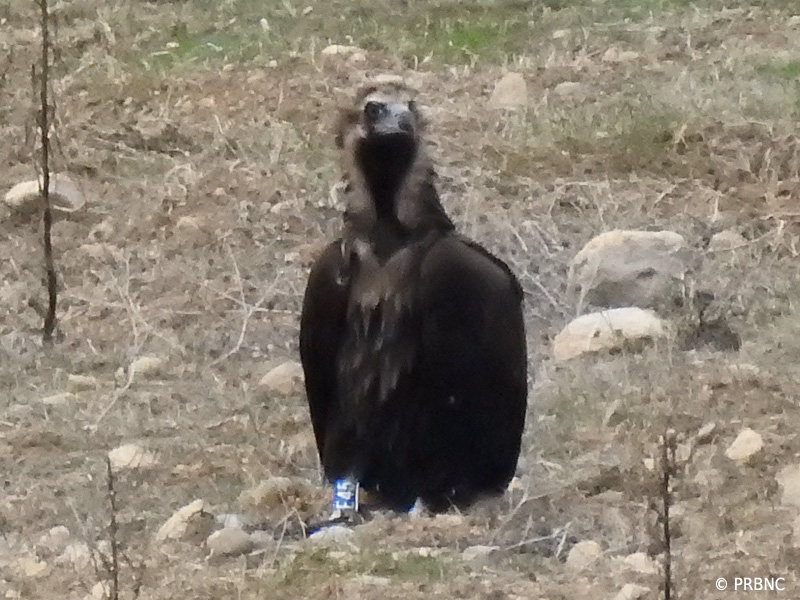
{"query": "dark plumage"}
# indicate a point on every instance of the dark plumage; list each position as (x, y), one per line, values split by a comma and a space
(412, 337)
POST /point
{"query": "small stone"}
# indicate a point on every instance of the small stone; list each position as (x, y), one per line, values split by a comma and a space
(641, 563)
(147, 365)
(607, 330)
(80, 383)
(479, 554)
(30, 567)
(338, 49)
(510, 91)
(55, 540)
(189, 222)
(683, 452)
(65, 194)
(571, 89)
(789, 480)
(632, 591)
(100, 591)
(131, 456)
(58, 399)
(584, 554)
(285, 379)
(76, 555)
(229, 541)
(335, 535)
(629, 268)
(191, 523)
(234, 521)
(746, 445)
(705, 433)
(726, 240)
(615, 55)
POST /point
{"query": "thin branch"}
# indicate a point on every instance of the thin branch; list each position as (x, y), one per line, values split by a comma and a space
(44, 128)
(112, 531)
(668, 446)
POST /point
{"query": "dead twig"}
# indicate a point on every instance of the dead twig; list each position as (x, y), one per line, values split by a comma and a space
(44, 129)
(113, 530)
(668, 448)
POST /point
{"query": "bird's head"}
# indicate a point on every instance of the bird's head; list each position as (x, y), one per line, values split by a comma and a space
(382, 115)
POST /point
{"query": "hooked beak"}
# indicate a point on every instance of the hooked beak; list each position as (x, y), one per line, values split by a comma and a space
(389, 118)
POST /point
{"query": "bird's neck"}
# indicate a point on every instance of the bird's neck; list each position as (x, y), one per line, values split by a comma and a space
(385, 165)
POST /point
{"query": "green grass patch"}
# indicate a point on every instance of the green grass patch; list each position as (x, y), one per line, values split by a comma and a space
(213, 45)
(447, 31)
(782, 69)
(312, 567)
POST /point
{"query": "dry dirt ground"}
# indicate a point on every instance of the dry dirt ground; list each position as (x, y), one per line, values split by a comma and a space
(202, 133)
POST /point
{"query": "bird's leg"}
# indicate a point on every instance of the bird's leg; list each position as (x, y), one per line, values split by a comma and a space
(345, 499)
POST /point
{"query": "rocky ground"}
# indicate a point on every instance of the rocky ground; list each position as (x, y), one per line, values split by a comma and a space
(198, 136)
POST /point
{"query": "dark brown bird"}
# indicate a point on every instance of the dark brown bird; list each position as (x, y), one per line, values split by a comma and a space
(412, 337)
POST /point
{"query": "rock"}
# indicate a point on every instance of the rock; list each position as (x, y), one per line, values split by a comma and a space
(338, 49)
(607, 330)
(147, 365)
(229, 541)
(615, 55)
(510, 91)
(333, 536)
(80, 383)
(629, 268)
(28, 566)
(705, 433)
(584, 554)
(727, 240)
(641, 563)
(789, 480)
(479, 554)
(65, 194)
(131, 456)
(55, 540)
(746, 445)
(76, 555)
(683, 452)
(100, 591)
(192, 523)
(571, 89)
(194, 231)
(632, 591)
(58, 399)
(233, 521)
(285, 379)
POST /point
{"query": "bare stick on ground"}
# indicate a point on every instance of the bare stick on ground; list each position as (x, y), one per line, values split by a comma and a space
(44, 128)
(668, 445)
(113, 566)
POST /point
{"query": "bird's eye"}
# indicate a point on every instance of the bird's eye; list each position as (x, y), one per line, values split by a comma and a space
(412, 106)
(373, 109)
